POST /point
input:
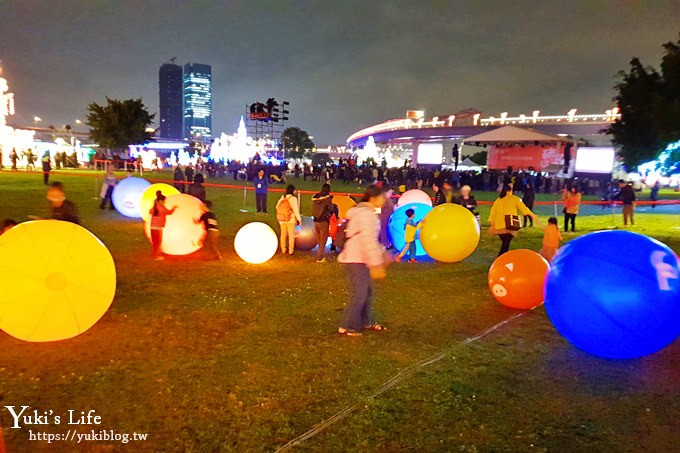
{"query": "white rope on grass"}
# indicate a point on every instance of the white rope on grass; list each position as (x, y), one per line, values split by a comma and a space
(394, 380)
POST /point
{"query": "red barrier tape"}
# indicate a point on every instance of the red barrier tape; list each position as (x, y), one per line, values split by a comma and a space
(350, 194)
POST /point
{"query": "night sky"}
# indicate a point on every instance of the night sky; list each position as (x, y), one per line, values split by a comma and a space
(343, 64)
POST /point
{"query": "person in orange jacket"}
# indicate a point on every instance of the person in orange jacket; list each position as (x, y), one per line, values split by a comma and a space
(551, 239)
(572, 202)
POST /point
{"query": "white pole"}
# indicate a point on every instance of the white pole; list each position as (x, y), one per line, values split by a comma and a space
(244, 200)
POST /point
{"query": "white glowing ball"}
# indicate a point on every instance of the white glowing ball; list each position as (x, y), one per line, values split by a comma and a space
(256, 243)
(127, 196)
(415, 196)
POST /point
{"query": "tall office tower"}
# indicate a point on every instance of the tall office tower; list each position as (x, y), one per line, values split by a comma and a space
(197, 102)
(171, 101)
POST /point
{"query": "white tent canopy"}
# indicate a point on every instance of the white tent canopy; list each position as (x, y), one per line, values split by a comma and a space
(514, 134)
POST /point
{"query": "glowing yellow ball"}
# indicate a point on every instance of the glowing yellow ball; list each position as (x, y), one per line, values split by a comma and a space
(449, 233)
(57, 280)
(181, 235)
(344, 204)
(149, 196)
(256, 243)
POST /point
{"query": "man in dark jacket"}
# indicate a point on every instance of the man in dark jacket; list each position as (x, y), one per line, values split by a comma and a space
(439, 195)
(529, 199)
(178, 177)
(321, 210)
(627, 197)
(60, 208)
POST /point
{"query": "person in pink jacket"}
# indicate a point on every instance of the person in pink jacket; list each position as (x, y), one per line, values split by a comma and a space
(364, 259)
(158, 214)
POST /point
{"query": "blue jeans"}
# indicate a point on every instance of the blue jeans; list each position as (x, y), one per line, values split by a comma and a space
(357, 314)
(412, 250)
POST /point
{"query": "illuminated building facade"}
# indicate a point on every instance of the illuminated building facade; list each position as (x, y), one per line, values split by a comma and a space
(197, 101)
(170, 80)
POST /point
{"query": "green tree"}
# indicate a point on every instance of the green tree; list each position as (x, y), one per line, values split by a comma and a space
(479, 157)
(649, 103)
(119, 124)
(296, 142)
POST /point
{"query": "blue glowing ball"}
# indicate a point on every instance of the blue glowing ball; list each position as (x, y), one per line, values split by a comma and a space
(615, 294)
(396, 224)
(128, 194)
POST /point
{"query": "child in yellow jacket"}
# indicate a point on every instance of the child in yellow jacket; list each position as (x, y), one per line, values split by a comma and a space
(551, 239)
(411, 228)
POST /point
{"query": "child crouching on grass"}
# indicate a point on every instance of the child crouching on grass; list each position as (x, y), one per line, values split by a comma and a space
(411, 228)
(212, 232)
(551, 239)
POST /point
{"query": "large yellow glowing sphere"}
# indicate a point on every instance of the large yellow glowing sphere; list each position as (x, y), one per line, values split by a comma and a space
(449, 233)
(344, 204)
(256, 243)
(57, 280)
(149, 196)
(181, 235)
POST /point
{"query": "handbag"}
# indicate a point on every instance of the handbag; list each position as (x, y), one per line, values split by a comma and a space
(512, 223)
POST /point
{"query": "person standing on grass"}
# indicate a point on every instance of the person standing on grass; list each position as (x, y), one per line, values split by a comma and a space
(189, 173)
(529, 198)
(178, 178)
(261, 189)
(654, 193)
(158, 217)
(627, 197)
(212, 231)
(504, 219)
(410, 230)
(364, 260)
(196, 189)
(439, 196)
(46, 167)
(385, 214)
(321, 210)
(107, 189)
(572, 202)
(467, 200)
(288, 215)
(13, 157)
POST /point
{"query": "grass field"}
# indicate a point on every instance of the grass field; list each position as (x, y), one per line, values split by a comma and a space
(210, 356)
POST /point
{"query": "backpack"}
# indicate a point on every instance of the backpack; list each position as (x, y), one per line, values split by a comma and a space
(321, 210)
(284, 211)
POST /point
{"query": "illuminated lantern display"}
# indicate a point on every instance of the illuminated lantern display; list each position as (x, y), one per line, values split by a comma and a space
(517, 277)
(57, 280)
(149, 196)
(127, 196)
(615, 294)
(305, 239)
(396, 224)
(449, 233)
(344, 204)
(181, 235)
(414, 196)
(256, 243)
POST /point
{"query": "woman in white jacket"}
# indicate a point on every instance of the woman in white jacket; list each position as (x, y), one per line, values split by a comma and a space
(288, 215)
(363, 257)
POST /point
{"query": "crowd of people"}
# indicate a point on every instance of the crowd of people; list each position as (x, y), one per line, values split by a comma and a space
(365, 243)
